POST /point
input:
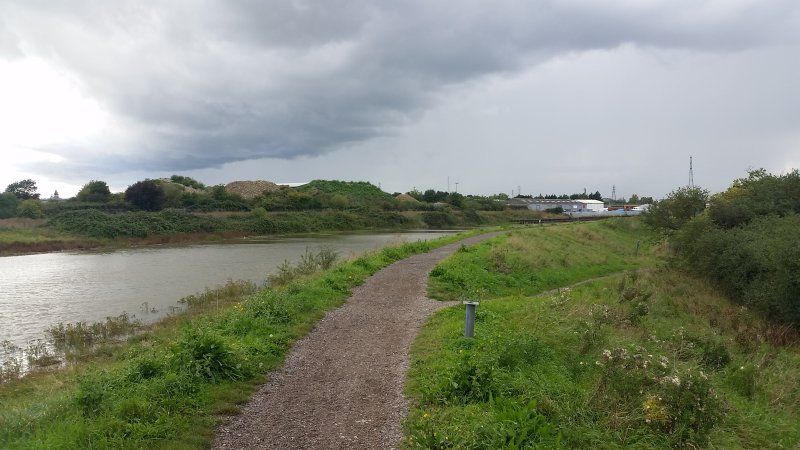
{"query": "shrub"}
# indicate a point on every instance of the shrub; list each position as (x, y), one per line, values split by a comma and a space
(95, 223)
(679, 207)
(680, 404)
(685, 406)
(758, 195)
(30, 208)
(748, 243)
(438, 219)
(259, 212)
(147, 195)
(94, 191)
(187, 181)
(8, 205)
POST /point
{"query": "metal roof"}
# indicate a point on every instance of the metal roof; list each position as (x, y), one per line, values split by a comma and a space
(529, 201)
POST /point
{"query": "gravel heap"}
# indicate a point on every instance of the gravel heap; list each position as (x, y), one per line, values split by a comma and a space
(251, 189)
(406, 198)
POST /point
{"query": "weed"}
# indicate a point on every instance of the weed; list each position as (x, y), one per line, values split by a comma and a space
(206, 355)
(310, 262)
(219, 296)
(744, 379)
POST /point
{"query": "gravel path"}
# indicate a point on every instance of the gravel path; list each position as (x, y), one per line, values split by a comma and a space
(342, 385)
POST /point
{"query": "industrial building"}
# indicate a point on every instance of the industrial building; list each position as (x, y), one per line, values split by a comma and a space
(569, 206)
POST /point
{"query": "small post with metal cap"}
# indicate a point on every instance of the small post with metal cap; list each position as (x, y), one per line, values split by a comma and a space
(469, 320)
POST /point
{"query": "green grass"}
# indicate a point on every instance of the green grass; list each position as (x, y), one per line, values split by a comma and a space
(14, 239)
(166, 388)
(649, 358)
(356, 191)
(539, 258)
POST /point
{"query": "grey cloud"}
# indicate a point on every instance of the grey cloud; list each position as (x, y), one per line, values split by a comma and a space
(200, 84)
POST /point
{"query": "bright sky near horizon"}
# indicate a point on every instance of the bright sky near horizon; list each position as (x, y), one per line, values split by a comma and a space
(549, 95)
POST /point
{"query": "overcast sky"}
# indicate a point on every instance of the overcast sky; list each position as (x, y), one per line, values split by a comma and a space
(551, 96)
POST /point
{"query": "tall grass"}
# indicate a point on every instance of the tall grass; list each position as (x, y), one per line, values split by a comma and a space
(539, 258)
(310, 263)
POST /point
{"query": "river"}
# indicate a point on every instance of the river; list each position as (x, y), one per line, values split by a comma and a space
(38, 291)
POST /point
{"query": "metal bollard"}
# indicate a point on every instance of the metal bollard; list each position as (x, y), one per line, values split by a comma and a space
(469, 320)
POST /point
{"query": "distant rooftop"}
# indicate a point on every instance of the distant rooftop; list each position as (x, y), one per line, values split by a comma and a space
(530, 201)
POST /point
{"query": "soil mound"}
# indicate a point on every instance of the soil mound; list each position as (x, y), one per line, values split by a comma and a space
(251, 189)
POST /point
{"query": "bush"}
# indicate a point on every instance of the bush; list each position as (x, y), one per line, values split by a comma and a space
(748, 243)
(8, 205)
(140, 224)
(259, 212)
(756, 264)
(679, 207)
(30, 208)
(438, 219)
(680, 404)
(187, 181)
(147, 195)
(94, 191)
(758, 195)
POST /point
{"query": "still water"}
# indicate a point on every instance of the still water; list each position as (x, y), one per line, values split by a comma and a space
(38, 291)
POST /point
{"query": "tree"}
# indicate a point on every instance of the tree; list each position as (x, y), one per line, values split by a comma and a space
(94, 191)
(634, 200)
(8, 205)
(678, 208)
(187, 181)
(760, 194)
(455, 199)
(23, 190)
(30, 208)
(147, 195)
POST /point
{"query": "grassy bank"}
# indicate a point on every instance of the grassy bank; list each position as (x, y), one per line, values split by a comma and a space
(94, 228)
(167, 387)
(30, 236)
(648, 358)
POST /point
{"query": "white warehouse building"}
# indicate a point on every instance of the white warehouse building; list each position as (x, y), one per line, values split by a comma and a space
(540, 204)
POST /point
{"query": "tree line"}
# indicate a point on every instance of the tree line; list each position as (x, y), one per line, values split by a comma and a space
(746, 239)
(22, 199)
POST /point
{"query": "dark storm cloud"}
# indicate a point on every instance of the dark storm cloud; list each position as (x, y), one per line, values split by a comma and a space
(199, 84)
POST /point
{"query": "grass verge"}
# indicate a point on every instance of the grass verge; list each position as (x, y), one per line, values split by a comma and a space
(648, 358)
(167, 388)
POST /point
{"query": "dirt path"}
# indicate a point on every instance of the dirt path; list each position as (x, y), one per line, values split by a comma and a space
(342, 385)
